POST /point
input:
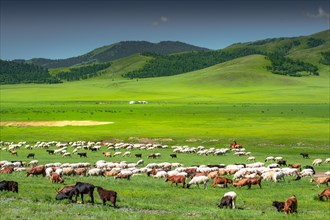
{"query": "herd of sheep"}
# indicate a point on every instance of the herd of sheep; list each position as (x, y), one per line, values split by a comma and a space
(197, 174)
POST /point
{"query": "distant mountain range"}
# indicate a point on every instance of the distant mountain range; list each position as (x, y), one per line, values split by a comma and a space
(293, 56)
(119, 50)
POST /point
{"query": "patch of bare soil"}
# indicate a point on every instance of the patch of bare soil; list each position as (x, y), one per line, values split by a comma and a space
(51, 123)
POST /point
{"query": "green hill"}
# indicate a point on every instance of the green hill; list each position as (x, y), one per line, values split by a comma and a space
(117, 51)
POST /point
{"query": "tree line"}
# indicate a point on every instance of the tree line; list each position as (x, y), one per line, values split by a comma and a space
(168, 65)
(83, 72)
(187, 62)
(16, 72)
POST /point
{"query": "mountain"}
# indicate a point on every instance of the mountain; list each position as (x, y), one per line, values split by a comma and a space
(296, 56)
(117, 51)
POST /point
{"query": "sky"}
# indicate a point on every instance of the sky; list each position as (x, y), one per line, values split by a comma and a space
(67, 28)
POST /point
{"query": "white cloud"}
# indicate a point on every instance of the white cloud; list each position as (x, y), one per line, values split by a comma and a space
(164, 19)
(321, 13)
(161, 20)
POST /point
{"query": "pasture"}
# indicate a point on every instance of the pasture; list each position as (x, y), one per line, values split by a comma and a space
(271, 115)
(144, 197)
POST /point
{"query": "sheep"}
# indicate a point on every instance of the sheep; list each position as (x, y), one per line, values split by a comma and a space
(117, 153)
(278, 159)
(66, 154)
(197, 180)
(33, 163)
(107, 154)
(270, 158)
(317, 162)
(49, 171)
(95, 172)
(124, 174)
(233, 196)
(251, 159)
(327, 161)
(126, 154)
(277, 176)
(160, 174)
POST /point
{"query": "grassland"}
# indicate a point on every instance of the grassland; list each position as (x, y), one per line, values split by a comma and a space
(239, 99)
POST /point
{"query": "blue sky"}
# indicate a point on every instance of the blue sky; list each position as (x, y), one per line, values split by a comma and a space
(62, 29)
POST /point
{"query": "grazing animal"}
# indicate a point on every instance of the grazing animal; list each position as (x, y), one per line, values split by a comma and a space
(38, 170)
(317, 162)
(291, 205)
(173, 156)
(177, 179)
(107, 154)
(56, 178)
(279, 205)
(304, 155)
(325, 193)
(254, 181)
(221, 180)
(138, 155)
(50, 151)
(310, 167)
(297, 165)
(82, 188)
(198, 180)
(152, 156)
(251, 159)
(8, 169)
(9, 186)
(66, 189)
(225, 201)
(82, 154)
(124, 175)
(61, 196)
(107, 195)
(30, 155)
(270, 158)
(321, 180)
(13, 152)
(233, 196)
(241, 182)
(281, 162)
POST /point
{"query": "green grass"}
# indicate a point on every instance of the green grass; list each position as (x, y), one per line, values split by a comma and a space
(269, 114)
(147, 198)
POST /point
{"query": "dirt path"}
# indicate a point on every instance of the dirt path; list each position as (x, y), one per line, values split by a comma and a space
(51, 123)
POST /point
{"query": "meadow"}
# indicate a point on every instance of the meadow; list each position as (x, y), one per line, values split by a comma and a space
(270, 115)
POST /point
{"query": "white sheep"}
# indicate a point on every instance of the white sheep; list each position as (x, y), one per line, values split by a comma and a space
(317, 162)
(278, 176)
(95, 172)
(160, 174)
(117, 153)
(278, 159)
(198, 180)
(270, 158)
(127, 154)
(233, 196)
(251, 159)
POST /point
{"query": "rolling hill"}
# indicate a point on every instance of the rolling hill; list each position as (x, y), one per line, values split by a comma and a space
(117, 51)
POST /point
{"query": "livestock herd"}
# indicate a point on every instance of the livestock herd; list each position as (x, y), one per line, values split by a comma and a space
(244, 174)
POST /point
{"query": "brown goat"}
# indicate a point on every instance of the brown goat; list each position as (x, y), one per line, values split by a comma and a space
(221, 180)
(107, 195)
(177, 179)
(291, 205)
(325, 193)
